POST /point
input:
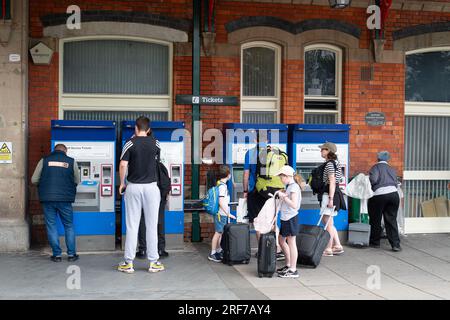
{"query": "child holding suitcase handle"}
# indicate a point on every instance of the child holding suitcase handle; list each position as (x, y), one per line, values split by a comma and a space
(291, 200)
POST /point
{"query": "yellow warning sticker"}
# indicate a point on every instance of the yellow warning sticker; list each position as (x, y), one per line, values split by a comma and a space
(5, 152)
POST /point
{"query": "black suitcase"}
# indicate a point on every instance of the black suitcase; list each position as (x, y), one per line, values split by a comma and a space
(267, 258)
(236, 243)
(311, 242)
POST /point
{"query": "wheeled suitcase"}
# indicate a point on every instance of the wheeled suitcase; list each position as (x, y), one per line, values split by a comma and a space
(311, 243)
(236, 243)
(267, 259)
(359, 234)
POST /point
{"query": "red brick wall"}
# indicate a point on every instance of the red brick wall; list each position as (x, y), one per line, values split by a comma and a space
(385, 94)
(221, 76)
(43, 107)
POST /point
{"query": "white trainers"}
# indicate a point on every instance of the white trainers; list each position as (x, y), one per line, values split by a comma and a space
(156, 267)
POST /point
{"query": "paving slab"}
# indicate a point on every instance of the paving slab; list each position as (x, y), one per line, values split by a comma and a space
(420, 272)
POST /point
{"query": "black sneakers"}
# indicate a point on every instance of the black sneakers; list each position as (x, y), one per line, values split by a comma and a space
(56, 258)
(73, 258)
(289, 274)
(280, 256)
(163, 254)
(141, 254)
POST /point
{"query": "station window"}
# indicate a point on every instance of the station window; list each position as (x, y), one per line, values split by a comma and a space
(260, 74)
(428, 76)
(5, 9)
(323, 65)
(110, 74)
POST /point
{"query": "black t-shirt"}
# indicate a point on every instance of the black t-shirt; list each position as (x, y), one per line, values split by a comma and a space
(141, 154)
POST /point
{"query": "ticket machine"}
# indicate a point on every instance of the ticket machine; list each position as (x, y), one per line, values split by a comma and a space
(304, 156)
(92, 145)
(170, 135)
(239, 138)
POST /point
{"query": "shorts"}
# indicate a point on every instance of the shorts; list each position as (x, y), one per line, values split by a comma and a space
(290, 228)
(324, 206)
(220, 224)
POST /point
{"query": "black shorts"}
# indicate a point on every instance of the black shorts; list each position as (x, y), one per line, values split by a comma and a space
(290, 228)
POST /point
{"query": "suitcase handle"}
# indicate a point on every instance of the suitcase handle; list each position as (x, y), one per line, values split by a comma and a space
(320, 220)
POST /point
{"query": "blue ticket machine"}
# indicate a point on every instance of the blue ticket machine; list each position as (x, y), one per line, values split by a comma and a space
(304, 156)
(170, 135)
(239, 138)
(92, 144)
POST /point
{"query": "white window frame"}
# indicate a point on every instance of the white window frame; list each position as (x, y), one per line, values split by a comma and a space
(427, 108)
(114, 102)
(438, 224)
(262, 104)
(338, 82)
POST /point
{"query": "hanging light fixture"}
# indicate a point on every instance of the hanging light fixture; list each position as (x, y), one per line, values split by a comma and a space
(339, 4)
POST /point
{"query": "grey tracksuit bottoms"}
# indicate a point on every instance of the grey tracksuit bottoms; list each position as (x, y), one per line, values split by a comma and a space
(138, 197)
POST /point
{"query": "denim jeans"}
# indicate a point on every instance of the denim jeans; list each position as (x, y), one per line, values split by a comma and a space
(65, 212)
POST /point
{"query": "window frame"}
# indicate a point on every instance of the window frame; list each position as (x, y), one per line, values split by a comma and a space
(338, 82)
(415, 108)
(261, 104)
(114, 102)
(5, 14)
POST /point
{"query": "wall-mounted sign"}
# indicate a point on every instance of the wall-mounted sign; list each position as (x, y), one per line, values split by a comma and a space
(5, 152)
(14, 57)
(207, 100)
(375, 118)
(41, 54)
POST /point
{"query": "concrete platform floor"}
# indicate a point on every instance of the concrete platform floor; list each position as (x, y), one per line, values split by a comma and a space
(421, 271)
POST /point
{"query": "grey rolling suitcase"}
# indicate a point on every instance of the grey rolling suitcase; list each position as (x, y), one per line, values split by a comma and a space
(267, 260)
(311, 242)
(236, 243)
(359, 234)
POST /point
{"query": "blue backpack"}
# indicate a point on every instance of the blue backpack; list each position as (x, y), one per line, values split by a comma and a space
(211, 201)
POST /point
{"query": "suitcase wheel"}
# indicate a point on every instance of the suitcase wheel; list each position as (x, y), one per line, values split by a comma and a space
(260, 275)
(230, 264)
(247, 261)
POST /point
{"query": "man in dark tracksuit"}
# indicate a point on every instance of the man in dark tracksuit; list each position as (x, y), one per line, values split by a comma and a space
(142, 243)
(57, 177)
(384, 203)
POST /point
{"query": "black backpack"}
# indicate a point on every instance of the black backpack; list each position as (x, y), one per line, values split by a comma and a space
(316, 178)
(163, 178)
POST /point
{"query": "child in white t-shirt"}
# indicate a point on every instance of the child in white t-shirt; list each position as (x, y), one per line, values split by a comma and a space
(291, 200)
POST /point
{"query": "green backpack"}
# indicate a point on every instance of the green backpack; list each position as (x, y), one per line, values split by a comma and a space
(273, 159)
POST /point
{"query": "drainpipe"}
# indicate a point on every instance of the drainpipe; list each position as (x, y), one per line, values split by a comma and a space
(196, 134)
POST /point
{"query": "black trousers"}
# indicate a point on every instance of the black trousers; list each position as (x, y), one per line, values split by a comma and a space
(386, 206)
(161, 233)
(255, 202)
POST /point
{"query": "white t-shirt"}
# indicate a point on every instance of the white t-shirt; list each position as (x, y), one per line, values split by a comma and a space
(287, 212)
(223, 193)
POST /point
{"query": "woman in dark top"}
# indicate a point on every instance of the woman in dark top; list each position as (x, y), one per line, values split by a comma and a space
(384, 203)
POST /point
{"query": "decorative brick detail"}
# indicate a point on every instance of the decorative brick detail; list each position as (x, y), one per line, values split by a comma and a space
(55, 19)
(421, 29)
(294, 28)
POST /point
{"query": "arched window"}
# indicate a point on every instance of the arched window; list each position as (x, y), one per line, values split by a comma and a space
(323, 75)
(105, 76)
(260, 82)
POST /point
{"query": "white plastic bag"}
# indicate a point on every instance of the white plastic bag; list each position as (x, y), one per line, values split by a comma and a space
(241, 211)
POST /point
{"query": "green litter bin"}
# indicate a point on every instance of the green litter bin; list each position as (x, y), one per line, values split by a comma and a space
(355, 207)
